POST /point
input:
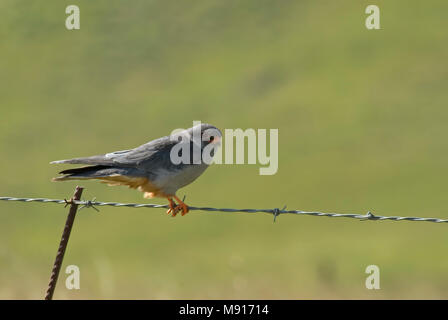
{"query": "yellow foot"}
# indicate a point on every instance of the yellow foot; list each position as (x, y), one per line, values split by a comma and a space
(181, 206)
(173, 207)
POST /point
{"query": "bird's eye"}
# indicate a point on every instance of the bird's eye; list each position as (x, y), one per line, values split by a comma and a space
(211, 139)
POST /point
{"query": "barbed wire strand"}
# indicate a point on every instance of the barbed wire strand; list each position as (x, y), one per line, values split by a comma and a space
(276, 211)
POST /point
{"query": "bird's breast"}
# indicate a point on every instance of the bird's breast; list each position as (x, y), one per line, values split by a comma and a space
(171, 180)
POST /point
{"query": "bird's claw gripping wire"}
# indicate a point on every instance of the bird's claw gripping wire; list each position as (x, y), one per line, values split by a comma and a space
(174, 208)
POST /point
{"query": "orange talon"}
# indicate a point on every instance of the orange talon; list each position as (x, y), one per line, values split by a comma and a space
(181, 206)
(173, 207)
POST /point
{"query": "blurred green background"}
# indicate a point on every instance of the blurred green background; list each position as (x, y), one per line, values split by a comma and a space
(362, 118)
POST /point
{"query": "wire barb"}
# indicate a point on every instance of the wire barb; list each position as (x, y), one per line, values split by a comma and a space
(89, 204)
(68, 202)
(276, 212)
(369, 216)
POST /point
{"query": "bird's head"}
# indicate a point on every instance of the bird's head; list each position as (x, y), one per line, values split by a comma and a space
(203, 138)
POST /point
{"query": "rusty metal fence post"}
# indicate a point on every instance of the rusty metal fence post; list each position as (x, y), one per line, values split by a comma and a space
(63, 244)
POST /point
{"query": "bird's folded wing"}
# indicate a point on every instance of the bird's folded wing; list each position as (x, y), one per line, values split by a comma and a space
(151, 154)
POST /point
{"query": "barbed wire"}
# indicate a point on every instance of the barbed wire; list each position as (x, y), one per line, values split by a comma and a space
(276, 211)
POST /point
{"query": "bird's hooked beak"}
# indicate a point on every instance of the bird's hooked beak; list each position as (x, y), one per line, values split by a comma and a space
(216, 140)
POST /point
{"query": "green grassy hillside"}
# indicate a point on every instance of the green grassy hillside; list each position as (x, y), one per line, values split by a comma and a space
(362, 126)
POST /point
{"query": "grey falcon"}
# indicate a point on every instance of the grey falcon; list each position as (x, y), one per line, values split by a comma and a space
(149, 167)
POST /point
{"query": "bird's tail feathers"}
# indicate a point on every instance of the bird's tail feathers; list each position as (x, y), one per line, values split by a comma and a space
(89, 172)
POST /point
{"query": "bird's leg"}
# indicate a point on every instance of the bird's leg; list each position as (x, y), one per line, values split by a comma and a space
(181, 205)
(173, 207)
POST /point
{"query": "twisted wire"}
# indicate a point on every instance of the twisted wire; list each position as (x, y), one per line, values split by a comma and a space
(275, 211)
